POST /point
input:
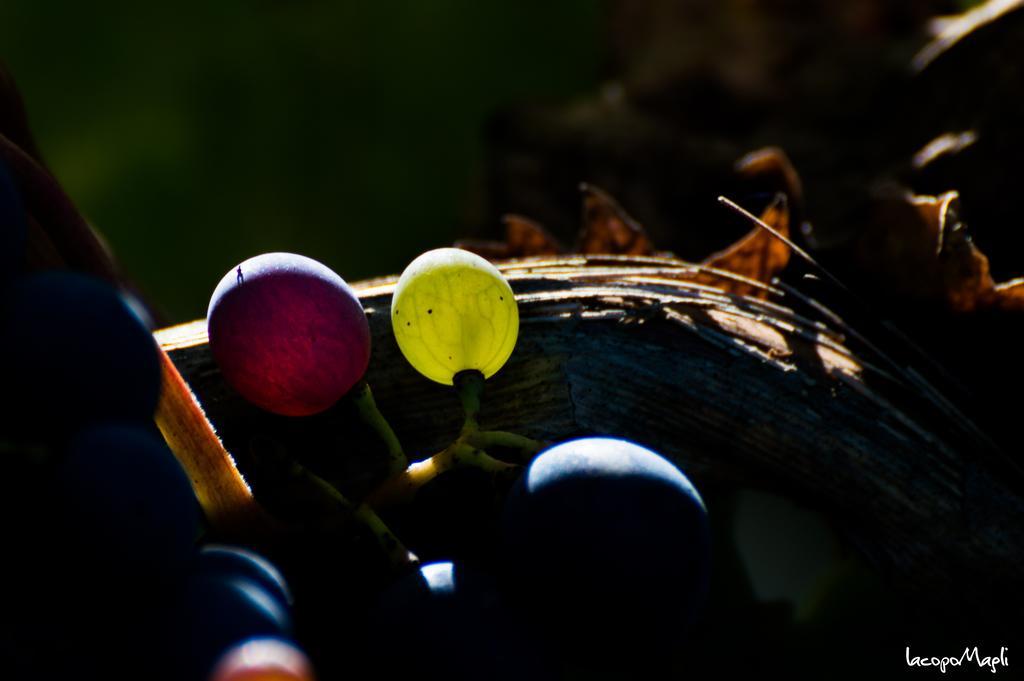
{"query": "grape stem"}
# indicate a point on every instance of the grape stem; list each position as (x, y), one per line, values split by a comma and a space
(402, 488)
(470, 387)
(225, 496)
(468, 449)
(334, 507)
(362, 397)
(397, 554)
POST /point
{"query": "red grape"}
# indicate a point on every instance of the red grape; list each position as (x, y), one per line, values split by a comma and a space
(288, 333)
(263, 659)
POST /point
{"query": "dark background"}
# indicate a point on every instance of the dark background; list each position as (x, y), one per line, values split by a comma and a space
(197, 134)
(363, 133)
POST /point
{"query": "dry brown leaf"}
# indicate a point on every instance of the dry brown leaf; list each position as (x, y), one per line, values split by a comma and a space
(526, 237)
(770, 165)
(523, 238)
(942, 147)
(769, 170)
(951, 30)
(1009, 295)
(608, 229)
(759, 255)
(918, 247)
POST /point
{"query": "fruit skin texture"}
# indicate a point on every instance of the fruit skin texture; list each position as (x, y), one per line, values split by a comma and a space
(73, 352)
(607, 546)
(107, 533)
(125, 498)
(453, 311)
(288, 333)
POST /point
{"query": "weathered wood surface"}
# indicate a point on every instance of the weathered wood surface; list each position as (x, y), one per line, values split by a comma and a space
(736, 390)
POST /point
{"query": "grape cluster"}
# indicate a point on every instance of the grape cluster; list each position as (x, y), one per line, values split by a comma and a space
(591, 554)
(108, 574)
(600, 556)
(603, 549)
(602, 566)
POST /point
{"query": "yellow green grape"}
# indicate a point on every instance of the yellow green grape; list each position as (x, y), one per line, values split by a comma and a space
(453, 311)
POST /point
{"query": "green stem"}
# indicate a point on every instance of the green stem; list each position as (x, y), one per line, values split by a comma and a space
(371, 415)
(486, 439)
(397, 554)
(468, 449)
(333, 505)
(402, 488)
(467, 455)
(470, 387)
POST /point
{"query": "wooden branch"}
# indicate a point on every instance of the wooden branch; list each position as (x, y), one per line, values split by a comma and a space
(59, 237)
(738, 391)
(222, 492)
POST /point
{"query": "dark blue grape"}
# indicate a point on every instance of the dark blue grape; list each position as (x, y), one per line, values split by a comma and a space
(13, 227)
(606, 545)
(454, 626)
(216, 614)
(72, 352)
(126, 504)
(217, 560)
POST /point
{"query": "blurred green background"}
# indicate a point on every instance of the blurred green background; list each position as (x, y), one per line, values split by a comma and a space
(196, 134)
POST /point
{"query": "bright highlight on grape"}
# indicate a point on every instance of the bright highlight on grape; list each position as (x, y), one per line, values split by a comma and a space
(453, 311)
(456, 625)
(264, 659)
